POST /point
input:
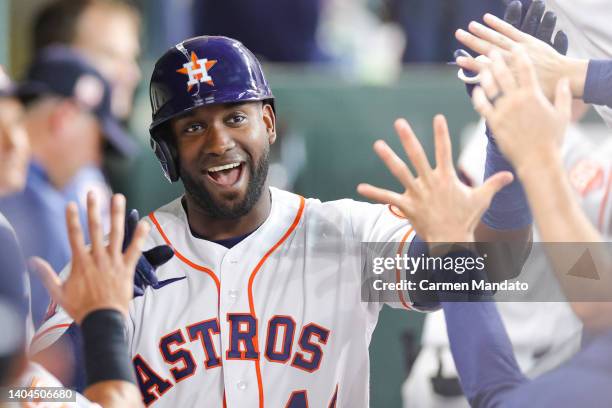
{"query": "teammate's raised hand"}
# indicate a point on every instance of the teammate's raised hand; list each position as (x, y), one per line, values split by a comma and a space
(534, 34)
(101, 277)
(440, 207)
(528, 128)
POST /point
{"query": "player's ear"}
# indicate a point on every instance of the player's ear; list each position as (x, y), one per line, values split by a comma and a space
(269, 121)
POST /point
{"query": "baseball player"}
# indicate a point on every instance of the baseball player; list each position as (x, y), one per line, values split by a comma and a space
(529, 128)
(543, 334)
(260, 305)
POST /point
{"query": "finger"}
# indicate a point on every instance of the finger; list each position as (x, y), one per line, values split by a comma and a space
(502, 74)
(49, 277)
(489, 85)
(471, 64)
(396, 166)
(514, 13)
(504, 28)
(561, 43)
(491, 36)
(533, 18)
(130, 225)
(380, 195)
(117, 224)
(95, 224)
(75, 232)
(413, 148)
(492, 186)
(547, 26)
(444, 154)
(482, 104)
(563, 99)
(474, 43)
(526, 74)
(134, 251)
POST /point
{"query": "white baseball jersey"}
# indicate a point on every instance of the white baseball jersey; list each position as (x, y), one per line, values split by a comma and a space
(35, 376)
(276, 321)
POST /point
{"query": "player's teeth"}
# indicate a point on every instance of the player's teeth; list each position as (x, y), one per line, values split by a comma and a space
(224, 167)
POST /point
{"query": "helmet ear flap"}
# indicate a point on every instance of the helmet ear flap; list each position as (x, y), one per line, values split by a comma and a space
(167, 160)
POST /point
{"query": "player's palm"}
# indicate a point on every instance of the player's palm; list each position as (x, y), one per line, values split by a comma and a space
(101, 277)
(501, 36)
(440, 207)
(527, 126)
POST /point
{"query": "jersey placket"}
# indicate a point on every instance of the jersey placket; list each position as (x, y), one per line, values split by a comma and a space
(239, 374)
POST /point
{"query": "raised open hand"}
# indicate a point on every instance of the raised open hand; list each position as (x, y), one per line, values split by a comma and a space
(440, 207)
(528, 127)
(101, 277)
(534, 34)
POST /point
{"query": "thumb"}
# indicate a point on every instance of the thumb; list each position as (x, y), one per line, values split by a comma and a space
(563, 98)
(492, 186)
(50, 279)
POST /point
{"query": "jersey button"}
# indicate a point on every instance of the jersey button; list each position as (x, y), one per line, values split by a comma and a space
(232, 296)
(241, 385)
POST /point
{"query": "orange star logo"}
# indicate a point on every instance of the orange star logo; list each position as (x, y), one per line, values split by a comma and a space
(197, 71)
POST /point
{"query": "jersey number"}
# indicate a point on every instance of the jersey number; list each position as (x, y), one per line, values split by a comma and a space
(299, 399)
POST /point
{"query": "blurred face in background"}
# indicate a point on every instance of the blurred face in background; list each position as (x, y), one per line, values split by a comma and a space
(109, 36)
(64, 136)
(14, 147)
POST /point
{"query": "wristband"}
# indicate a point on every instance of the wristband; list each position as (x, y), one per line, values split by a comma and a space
(105, 347)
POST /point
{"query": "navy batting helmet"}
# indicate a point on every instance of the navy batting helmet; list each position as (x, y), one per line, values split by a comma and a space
(200, 71)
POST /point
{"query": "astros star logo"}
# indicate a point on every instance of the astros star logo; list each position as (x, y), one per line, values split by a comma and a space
(197, 70)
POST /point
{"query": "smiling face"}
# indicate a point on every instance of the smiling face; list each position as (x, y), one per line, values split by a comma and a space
(223, 156)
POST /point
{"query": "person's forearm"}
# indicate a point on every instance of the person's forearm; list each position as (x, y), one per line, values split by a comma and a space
(508, 219)
(482, 352)
(575, 70)
(114, 394)
(557, 214)
(110, 377)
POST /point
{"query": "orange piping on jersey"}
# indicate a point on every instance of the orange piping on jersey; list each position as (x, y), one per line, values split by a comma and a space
(42, 333)
(294, 224)
(224, 401)
(334, 399)
(183, 258)
(602, 208)
(397, 271)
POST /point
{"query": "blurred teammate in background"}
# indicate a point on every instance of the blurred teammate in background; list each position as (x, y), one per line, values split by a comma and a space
(529, 129)
(589, 79)
(97, 293)
(543, 334)
(67, 117)
(106, 32)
